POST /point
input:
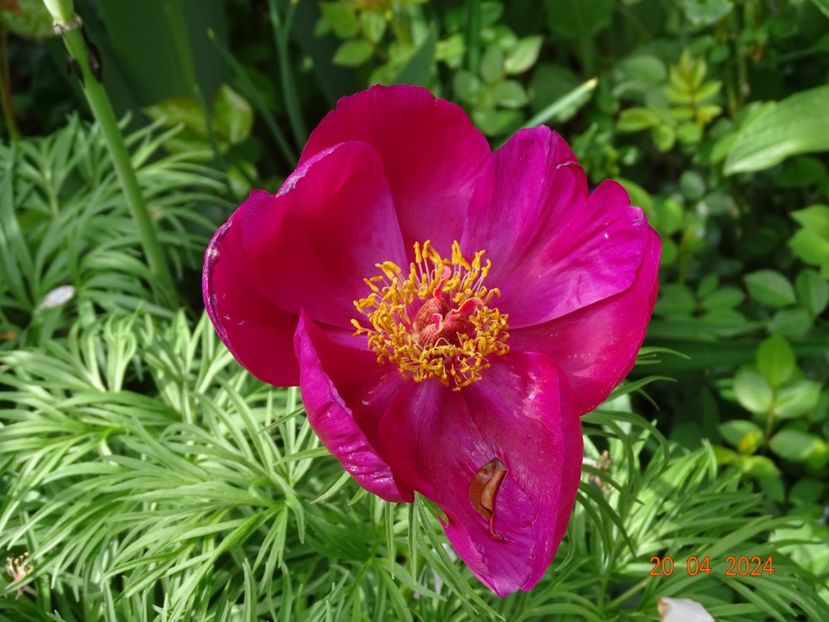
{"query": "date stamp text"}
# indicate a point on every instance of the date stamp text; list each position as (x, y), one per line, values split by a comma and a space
(732, 565)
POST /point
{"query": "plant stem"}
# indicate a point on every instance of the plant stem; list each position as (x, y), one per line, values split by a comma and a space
(473, 35)
(769, 420)
(67, 24)
(6, 88)
(280, 33)
(181, 41)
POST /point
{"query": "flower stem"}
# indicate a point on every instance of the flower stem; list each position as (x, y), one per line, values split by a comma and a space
(281, 31)
(769, 420)
(6, 88)
(67, 24)
(473, 35)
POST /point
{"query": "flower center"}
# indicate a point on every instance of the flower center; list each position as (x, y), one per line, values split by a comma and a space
(437, 321)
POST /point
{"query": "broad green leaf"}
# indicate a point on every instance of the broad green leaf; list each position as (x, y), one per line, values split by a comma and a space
(577, 19)
(812, 291)
(793, 445)
(797, 124)
(663, 136)
(510, 94)
(354, 52)
(728, 297)
(670, 216)
(523, 55)
(373, 25)
(806, 491)
(692, 185)
(705, 12)
(775, 360)
(419, 66)
(491, 12)
(674, 300)
(811, 242)
(708, 284)
(743, 434)
(815, 218)
(708, 90)
(451, 50)
(823, 5)
(681, 96)
(638, 196)
(341, 18)
(819, 457)
(232, 115)
(807, 546)
(239, 176)
(496, 122)
(724, 321)
(637, 119)
(752, 391)
(682, 112)
(770, 287)
(184, 111)
(771, 485)
(646, 69)
(467, 86)
(797, 399)
(790, 322)
(811, 248)
(689, 133)
(492, 64)
(760, 467)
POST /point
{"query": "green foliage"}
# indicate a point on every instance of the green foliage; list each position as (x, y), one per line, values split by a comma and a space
(150, 478)
(206, 495)
(706, 12)
(27, 18)
(495, 94)
(230, 115)
(65, 223)
(383, 31)
(798, 124)
(205, 137)
(782, 401)
(811, 241)
(682, 112)
(571, 19)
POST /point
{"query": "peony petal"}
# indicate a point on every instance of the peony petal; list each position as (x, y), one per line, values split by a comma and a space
(334, 422)
(553, 249)
(596, 346)
(430, 150)
(311, 245)
(257, 332)
(437, 440)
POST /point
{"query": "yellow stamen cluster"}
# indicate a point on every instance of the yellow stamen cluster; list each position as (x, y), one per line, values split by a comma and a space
(455, 357)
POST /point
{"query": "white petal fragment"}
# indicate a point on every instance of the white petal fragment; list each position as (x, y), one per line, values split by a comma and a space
(57, 297)
(682, 610)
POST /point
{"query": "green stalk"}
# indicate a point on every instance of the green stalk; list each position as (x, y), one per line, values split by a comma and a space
(67, 24)
(6, 88)
(181, 41)
(473, 35)
(292, 107)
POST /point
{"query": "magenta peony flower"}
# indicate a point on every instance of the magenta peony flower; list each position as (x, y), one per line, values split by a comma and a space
(448, 313)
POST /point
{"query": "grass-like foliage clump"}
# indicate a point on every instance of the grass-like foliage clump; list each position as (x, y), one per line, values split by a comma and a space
(145, 476)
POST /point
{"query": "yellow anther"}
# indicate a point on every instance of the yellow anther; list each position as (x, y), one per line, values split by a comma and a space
(435, 322)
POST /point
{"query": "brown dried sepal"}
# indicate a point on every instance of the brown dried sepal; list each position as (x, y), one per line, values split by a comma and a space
(483, 489)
